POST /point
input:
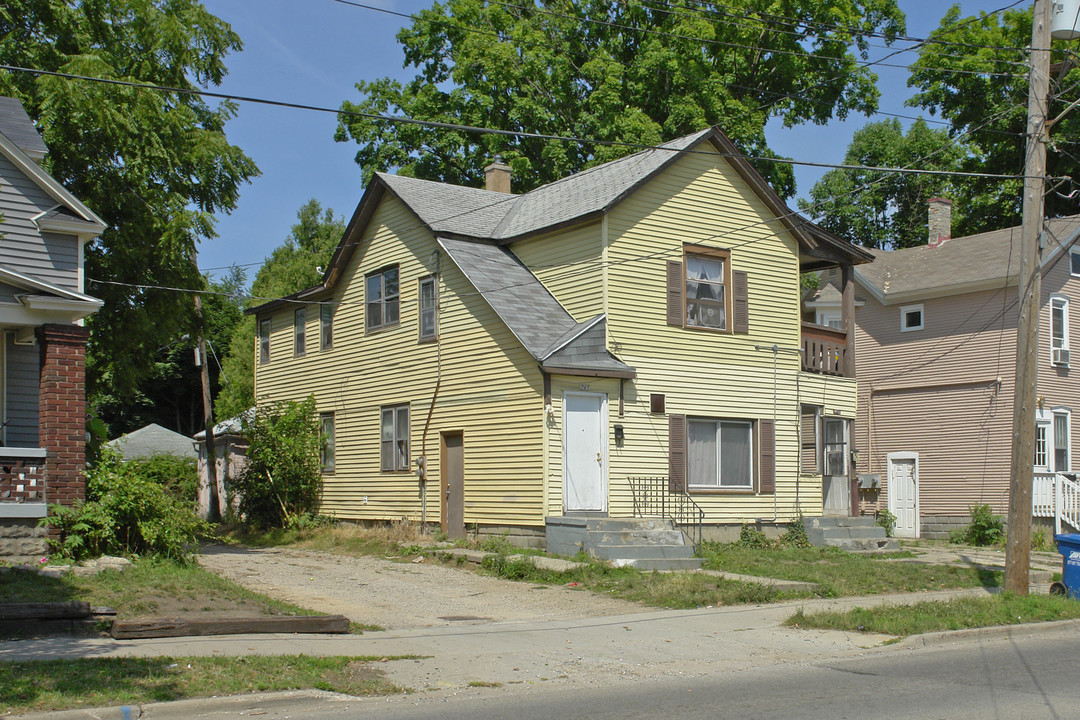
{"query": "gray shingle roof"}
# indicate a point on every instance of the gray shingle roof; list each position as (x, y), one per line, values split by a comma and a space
(521, 301)
(67, 215)
(19, 128)
(478, 213)
(972, 259)
(153, 440)
(587, 351)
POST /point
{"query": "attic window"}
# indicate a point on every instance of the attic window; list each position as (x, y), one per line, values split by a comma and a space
(1074, 261)
(911, 318)
(383, 298)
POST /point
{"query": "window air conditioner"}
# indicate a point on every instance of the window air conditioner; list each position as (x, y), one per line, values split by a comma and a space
(1059, 356)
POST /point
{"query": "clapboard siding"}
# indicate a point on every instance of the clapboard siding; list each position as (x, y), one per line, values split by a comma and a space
(23, 248)
(568, 263)
(944, 392)
(22, 363)
(701, 200)
(491, 388)
(1060, 386)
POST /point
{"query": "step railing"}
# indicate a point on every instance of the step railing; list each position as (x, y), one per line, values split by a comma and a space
(1057, 495)
(654, 497)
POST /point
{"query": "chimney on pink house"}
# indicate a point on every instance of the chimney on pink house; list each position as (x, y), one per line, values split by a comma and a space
(940, 221)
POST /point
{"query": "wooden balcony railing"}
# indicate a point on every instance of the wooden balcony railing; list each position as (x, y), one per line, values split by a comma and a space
(824, 350)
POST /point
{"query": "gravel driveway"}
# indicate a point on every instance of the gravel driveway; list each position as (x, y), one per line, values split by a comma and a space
(394, 595)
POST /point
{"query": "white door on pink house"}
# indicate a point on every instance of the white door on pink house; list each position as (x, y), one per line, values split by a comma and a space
(903, 492)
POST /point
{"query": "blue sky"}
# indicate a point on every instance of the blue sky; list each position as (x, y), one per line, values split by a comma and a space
(313, 52)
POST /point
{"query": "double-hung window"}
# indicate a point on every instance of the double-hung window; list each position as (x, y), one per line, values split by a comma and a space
(1042, 456)
(428, 321)
(383, 299)
(395, 438)
(299, 328)
(719, 454)
(1059, 330)
(264, 341)
(326, 432)
(707, 289)
(1061, 442)
(326, 326)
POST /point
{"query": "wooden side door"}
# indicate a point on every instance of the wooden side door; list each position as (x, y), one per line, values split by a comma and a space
(452, 482)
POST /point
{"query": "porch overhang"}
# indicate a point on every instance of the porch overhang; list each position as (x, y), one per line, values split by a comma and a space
(627, 374)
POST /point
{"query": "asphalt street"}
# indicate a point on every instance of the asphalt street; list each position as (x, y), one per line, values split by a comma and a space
(1031, 677)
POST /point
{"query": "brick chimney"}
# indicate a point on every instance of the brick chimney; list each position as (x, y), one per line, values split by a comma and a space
(497, 176)
(940, 221)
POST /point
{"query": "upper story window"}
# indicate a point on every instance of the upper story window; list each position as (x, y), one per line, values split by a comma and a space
(264, 340)
(383, 299)
(911, 318)
(1074, 261)
(299, 329)
(707, 289)
(326, 326)
(1061, 441)
(428, 322)
(1059, 330)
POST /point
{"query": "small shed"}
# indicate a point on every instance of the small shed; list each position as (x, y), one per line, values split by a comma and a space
(151, 440)
(230, 454)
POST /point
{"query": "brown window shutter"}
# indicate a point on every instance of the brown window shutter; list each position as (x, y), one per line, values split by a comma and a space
(675, 283)
(676, 453)
(809, 457)
(740, 321)
(766, 457)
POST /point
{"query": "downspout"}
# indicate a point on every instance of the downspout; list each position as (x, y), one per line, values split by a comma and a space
(421, 471)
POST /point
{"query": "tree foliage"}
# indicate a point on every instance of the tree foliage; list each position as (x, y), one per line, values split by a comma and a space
(988, 103)
(292, 267)
(154, 165)
(628, 72)
(282, 480)
(887, 210)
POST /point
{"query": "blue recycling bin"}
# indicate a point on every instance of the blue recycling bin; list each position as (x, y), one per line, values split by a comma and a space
(1069, 546)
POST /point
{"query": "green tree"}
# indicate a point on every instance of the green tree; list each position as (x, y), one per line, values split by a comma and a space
(292, 267)
(154, 165)
(282, 479)
(627, 72)
(988, 101)
(887, 210)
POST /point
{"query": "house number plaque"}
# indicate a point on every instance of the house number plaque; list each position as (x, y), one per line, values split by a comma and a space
(583, 388)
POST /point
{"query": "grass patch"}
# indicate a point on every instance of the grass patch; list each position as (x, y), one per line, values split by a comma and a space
(841, 574)
(149, 587)
(484, 683)
(43, 685)
(939, 615)
(340, 538)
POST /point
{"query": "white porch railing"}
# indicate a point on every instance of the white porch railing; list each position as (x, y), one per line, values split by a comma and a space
(1058, 496)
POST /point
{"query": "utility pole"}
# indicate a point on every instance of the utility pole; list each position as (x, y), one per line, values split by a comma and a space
(214, 510)
(1029, 291)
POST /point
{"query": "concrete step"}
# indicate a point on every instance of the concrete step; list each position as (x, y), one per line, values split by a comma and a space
(839, 522)
(818, 536)
(628, 524)
(636, 537)
(865, 545)
(690, 563)
(612, 552)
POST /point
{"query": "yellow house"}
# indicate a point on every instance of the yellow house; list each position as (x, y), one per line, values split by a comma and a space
(625, 339)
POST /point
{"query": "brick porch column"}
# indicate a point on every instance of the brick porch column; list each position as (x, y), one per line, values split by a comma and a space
(62, 410)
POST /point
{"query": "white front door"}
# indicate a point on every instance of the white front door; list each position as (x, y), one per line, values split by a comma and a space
(904, 493)
(584, 452)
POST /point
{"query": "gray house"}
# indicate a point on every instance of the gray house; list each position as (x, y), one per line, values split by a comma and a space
(42, 342)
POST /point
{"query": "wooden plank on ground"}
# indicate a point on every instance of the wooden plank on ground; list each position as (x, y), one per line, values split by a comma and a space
(66, 610)
(175, 627)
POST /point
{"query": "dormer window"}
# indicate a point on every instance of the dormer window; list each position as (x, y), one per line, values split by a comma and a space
(911, 318)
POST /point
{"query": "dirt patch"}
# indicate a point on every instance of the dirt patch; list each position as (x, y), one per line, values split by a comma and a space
(378, 591)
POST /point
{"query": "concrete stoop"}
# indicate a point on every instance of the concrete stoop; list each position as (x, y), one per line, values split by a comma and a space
(854, 534)
(645, 543)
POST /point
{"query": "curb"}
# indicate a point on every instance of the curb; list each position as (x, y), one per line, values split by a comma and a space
(999, 632)
(298, 702)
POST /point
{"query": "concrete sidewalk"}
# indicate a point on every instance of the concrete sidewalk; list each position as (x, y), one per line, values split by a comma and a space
(591, 651)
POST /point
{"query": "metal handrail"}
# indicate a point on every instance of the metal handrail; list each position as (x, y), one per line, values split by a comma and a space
(654, 497)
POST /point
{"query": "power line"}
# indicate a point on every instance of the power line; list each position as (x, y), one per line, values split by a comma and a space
(486, 130)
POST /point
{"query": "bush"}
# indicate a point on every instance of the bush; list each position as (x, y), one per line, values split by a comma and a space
(795, 536)
(986, 528)
(751, 537)
(887, 520)
(179, 476)
(282, 480)
(128, 511)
